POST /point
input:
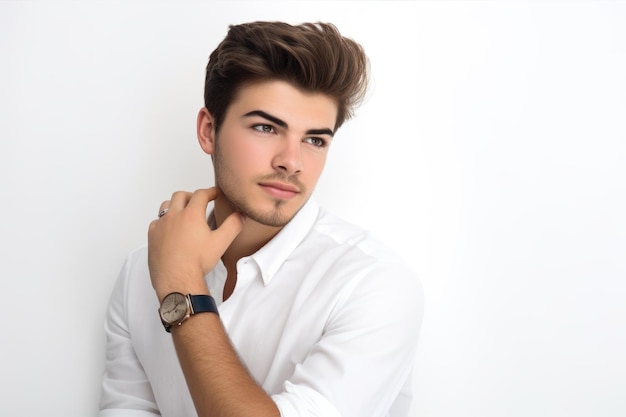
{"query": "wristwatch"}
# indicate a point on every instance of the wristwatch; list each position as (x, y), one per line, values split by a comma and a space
(177, 307)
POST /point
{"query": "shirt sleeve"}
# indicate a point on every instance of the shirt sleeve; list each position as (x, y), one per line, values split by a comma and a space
(126, 390)
(361, 365)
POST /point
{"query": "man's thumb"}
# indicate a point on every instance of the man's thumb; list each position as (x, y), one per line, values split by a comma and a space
(229, 229)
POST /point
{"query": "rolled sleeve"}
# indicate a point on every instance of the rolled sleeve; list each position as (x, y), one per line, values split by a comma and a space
(300, 400)
(126, 390)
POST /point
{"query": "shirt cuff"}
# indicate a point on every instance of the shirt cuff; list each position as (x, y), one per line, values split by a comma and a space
(300, 400)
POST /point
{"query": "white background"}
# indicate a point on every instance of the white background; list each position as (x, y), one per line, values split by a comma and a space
(491, 154)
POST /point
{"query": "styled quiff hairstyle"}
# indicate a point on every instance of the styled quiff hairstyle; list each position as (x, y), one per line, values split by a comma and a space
(313, 57)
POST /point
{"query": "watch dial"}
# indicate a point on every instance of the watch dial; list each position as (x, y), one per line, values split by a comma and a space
(174, 308)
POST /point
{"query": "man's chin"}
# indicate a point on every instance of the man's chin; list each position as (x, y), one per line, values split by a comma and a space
(277, 215)
(273, 219)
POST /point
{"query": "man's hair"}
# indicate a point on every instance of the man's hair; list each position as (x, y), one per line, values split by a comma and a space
(313, 57)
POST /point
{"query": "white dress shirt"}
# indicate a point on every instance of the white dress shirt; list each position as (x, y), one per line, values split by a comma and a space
(325, 318)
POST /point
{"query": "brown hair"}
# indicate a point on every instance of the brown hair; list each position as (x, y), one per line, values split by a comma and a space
(314, 57)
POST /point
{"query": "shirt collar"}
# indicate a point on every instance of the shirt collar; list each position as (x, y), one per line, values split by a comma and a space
(275, 252)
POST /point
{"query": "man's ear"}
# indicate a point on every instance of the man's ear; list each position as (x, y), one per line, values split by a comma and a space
(206, 131)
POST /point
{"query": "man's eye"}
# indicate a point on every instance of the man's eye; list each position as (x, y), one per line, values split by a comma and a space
(317, 142)
(263, 128)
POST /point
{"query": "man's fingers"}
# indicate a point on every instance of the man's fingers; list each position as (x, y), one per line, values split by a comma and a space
(164, 205)
(200, 198)
(179, 200)
(228, 230)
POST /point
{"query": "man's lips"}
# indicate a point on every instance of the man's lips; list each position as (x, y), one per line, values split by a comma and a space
(280, 189)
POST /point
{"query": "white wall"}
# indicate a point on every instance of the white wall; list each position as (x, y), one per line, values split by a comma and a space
(492, 155)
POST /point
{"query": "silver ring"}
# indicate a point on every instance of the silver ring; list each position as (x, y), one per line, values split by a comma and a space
(162, 212)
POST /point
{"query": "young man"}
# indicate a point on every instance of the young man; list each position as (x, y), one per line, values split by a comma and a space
(273, 307)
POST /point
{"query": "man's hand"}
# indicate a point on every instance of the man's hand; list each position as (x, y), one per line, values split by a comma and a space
(181, 246)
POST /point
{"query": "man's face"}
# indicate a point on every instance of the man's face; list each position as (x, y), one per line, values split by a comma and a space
(271, 149)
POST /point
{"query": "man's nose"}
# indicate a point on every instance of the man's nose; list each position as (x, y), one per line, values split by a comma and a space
(288, 157)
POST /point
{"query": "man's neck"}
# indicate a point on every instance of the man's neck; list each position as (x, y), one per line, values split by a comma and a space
(252, 238)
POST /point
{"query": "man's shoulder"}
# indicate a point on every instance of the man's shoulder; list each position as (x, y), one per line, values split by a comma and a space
(350, 257)
(135, 275)
(342, 232)
(352, 251)
(137, 257)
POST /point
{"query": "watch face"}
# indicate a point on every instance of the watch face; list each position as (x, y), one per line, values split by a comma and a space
(173, 308)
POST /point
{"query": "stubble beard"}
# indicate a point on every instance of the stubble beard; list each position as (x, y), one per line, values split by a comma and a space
(276, 217)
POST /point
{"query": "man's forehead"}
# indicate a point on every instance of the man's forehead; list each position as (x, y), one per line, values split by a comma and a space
(285, 101)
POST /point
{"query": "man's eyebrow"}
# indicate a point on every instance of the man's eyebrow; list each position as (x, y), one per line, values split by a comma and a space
(267, 116)
(325, 131)
(284, 125)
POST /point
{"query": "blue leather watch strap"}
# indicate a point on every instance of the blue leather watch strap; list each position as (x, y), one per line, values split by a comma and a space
(203, 304)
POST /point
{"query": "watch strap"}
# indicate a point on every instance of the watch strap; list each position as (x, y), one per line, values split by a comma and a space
(203, 304)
